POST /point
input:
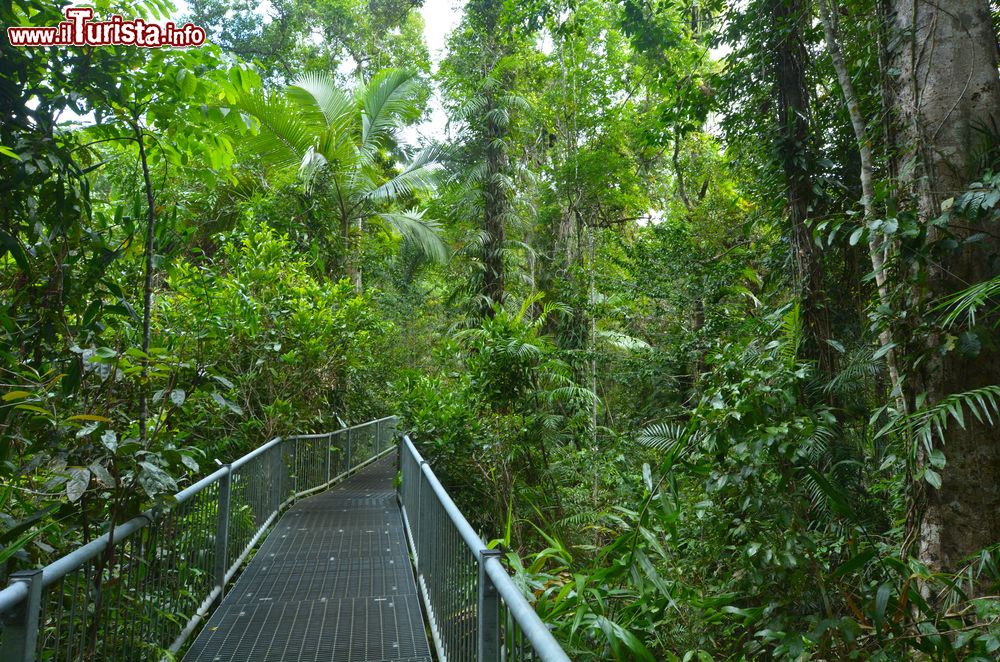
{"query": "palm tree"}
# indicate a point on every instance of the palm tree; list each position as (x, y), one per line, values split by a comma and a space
(340, 141)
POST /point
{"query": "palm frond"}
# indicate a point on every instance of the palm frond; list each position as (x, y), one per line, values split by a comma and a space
(519, 349)
(421, 233)
(338, 147)
(969, 301)
(283, 138)
(573, 394)
(421, 174)
(317, 92)
(791, 331)
(469, 110)
(820, 440)
(666, 436)
(472, 175)
(516, 101)
(858, 370)
(385, 101)
(312, 162)
(931, 422)
(499, 116)
(623, 341)
(580, 520)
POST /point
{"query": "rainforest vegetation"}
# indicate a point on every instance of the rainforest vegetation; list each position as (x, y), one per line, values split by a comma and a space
(692, 304)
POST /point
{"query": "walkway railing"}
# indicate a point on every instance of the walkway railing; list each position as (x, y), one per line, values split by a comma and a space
(476, 611)
(142, 590)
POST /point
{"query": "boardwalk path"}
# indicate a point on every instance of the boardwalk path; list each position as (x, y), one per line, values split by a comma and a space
(332, 582)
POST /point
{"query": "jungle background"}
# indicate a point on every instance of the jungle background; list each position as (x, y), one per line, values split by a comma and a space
(692, 304)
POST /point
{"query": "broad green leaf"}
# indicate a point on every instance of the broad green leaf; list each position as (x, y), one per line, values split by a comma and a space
(227, 404)
(883, 350)
(89, 417)
(35, 409)
(79, 479)
(881, 601)
(855, 236)
(102, 475)
(155, 480)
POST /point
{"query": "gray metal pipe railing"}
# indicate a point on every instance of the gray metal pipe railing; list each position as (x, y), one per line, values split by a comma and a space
(170, 565)
(476, 612)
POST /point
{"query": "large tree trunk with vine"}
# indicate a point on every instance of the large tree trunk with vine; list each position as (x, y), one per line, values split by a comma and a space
(793, 135)
(494, 208)
(494, 132)
(350, 262)
(947, 89)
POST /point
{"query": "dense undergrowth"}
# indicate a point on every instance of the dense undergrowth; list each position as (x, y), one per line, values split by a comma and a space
(751, 523)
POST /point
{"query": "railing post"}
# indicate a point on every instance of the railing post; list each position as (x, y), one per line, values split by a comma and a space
(326, 456)
(378, 436)
(348, 454)
(276, 469)
(20, 625)
(399, 454)
(488, 611)
(295, 466)
(418, 541)
(222, 530)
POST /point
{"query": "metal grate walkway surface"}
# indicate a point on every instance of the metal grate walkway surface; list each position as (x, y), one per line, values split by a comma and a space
(331, 583)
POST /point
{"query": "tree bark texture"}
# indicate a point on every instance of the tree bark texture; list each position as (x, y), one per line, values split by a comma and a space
(793, 136)
(494, 129)
(947, 89)
(877, 246)
(494, 206)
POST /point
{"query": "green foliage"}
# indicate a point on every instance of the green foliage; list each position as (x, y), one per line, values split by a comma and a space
(285, 340)
(358, 38)
(499, 428)
(338, 143)
(615, 371)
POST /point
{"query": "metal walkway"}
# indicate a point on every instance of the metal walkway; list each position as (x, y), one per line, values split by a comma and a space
(333, 581)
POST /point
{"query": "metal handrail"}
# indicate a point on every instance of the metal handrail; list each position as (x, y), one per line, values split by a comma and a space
(476, 612)
(33, 605)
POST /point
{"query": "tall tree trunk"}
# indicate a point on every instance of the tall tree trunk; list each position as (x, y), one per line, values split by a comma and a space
(877, 248)
(349, 262)
(492, 130)
(592, 345)
(793, 111)
(494, 206)
(698, 319)
(947, 87)
(147, 287)
(354, 261)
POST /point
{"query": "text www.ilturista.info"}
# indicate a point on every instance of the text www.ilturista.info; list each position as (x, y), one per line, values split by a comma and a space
(80, 30)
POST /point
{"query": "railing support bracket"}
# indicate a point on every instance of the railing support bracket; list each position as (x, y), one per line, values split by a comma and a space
(20, 625)
(222, 530)
(488, 610)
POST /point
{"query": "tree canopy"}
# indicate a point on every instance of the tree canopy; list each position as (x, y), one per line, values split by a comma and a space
(692, 304)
